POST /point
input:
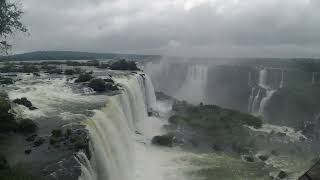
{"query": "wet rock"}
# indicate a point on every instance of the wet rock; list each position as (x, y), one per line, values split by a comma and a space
(263, 157)
(164, 140)
(6, 81)
(28, 151)
(39, 142)
(25, 102)
(282, 175)
(137, 132)
(248, 158)
(31, 138)
(281, 134)
(302, 139)
(36, 74)
(27, 126)
(56, 133)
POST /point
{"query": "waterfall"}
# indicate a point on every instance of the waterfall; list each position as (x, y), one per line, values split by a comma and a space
(263, 78)
(193, 89)
(255, 103)
(250, 102)
(265, 101)
(282, 79)
(150, 96)
(258, 102)
(111, 130)
(314, 74)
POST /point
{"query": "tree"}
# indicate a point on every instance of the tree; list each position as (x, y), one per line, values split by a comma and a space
(10, 15)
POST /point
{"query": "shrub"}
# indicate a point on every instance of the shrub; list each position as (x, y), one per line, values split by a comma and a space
(124, 65)
(69, 72)
(84, 78)
(56, 133)
(27, 126)
(98, 85)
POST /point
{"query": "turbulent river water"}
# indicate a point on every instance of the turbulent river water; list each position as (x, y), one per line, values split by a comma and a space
(121, 132)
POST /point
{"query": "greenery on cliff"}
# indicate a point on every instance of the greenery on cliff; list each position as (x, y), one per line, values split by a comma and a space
(223, 127)
(294, 106)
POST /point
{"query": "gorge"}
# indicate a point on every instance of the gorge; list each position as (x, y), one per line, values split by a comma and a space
(125, 132)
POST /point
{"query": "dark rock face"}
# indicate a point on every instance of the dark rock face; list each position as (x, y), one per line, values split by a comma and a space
(27, 126)
(6, 81)
(248, 158)
(39, 142)
(7, 121)
(28, 151)
(99, 85)
(65, 169)
(263, 157)
(164, 140)
(282, 175)
(71, 139)
(31, 138)
(25, 102)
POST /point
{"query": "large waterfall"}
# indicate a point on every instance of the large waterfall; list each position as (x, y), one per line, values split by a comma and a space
(112, 130)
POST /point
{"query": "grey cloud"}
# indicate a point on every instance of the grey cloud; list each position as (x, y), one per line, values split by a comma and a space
(283, 28)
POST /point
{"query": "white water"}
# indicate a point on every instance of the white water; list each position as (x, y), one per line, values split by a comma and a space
(282, 79)
(313, 81)
(193, 89)
(120, 154)
(263, 78)
(257, 104)
(265, 100)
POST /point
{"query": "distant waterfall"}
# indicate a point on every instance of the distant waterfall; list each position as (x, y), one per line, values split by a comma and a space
(282, 79)
(193, 89)
(314, 81)
(263, 78)
(112, 128)
(262, 93)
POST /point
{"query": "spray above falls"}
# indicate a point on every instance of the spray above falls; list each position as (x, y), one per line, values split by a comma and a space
(193, 88)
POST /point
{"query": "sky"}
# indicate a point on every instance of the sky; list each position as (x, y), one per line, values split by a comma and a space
(208, 28)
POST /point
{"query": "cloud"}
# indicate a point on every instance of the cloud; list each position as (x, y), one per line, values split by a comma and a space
(286, 28)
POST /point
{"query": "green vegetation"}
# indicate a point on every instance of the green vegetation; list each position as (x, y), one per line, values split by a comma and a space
(7, 121)
(293, 106)
(224, 126)
(84, 78)
(6, 81)
(27, 126)
(124, 65)
(10, 173)
(99, 85)
(10, 15)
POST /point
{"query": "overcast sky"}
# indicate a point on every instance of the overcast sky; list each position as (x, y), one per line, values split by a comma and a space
(265, 28)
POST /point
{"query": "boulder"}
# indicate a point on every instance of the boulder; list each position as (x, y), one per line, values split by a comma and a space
(39, 142)
(27, 126)
(282, 175)
(31, 138)
(248, 158)
(25, 102)
(28, 151)
(164, 140)
(263, 157)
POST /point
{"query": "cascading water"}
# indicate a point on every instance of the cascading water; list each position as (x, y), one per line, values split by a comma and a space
(120, 136)
(313, 81)
(258, 102)
(263, 78)
(193, 89)
(282, 79)
(112, 127)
